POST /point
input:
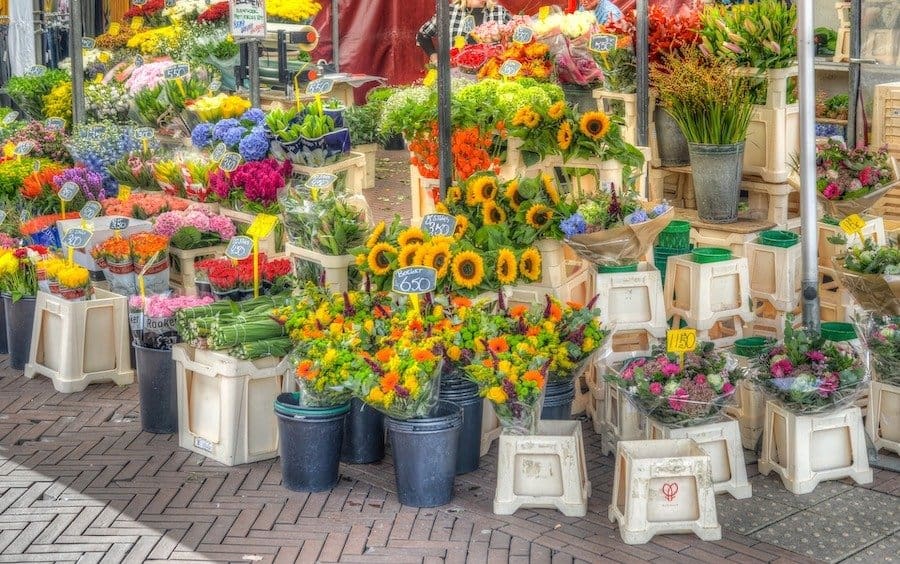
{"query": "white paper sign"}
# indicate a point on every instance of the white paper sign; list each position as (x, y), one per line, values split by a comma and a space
(248, 18)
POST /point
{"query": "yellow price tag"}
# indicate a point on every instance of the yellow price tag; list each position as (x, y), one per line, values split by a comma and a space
(262, 225)
(543, 12)
(114, 29)
(430, 77)
(681, 340)
(137, 23)
(98, 78)
(124, 192)
(459, 42)
(9, 150)
(852, 224)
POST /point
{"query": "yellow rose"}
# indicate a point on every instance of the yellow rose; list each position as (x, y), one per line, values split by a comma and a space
(496, 394)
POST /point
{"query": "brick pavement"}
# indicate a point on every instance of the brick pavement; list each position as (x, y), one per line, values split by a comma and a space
(80, 482)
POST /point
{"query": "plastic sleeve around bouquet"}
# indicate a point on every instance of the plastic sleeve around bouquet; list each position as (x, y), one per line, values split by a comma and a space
(881, 336)
(574, 63)
(412, 406)
(519, 417)
(877, 293)
(603, 350)
(842, 208)
(620, 245)
(316, 393)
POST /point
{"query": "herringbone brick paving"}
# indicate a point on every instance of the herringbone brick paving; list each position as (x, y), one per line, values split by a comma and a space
(80, 482)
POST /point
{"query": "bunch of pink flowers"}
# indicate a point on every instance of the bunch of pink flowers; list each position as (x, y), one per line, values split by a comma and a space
(198, 217)
(162, 306)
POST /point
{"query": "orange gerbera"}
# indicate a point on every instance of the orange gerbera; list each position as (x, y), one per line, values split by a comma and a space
(534, 376)
(518, 311)
(423, 355)
(461, 301)
(555, 312)
(305, 371)
(384, 355)
(498, 345)
(389, 381)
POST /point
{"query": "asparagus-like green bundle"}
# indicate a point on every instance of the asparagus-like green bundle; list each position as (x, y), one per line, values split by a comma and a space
(278, 346)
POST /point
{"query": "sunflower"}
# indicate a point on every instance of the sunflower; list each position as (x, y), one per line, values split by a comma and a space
(379, 259)
(422, 252)
(481, 188)
(506, 267)
(564, 136)
(530, 264)
(377, 232)
(532, 120)
(557, 110)
(462, 224)
(550, 188)
(440, 207)
(520, 116)
(538, 216)
(513, 195)
(468, 269)
(438, 258)
(407, 256)
(492, 214)
(411, 236)
(454, 194)
(594, 124)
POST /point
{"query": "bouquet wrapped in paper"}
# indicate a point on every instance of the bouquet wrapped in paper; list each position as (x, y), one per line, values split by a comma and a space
(850, 181)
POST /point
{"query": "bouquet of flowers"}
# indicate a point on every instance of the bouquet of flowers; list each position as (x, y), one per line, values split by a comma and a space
(810, 374)
(292, 11)
(216, 13)
(194, 228)
(758, 35)
(100, 146)
(43, 227)
(881, 334)
(872, 274)
(107, 102)
(325, 223)
(142, 205)
(150, 11)
(235, 281)
(48, 143)
(534, 57)
(90, 183)
(680, 395)
(137, 170)
(147, 76)
(219, 107)
(18, 270)
(154, 325)
(852, 180)
(74, 282)
(253, 186)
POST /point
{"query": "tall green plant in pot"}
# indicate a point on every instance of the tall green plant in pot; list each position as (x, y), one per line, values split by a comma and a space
(712, 106)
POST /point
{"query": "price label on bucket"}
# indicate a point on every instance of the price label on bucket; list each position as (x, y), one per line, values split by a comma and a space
(10, 117)
(219, 152)
(36, 70)
(118, 223)
(439, 224)
(215, 85)
(239, 248)
(510, 68)
(139, 61)
(68, 191)
(414, 280)
(230, 162)
(853, 224)
(602, 43)
(90, 210)
(320, 180)
(2, 216)
(77, 238)
(262, 225)
(319, 86)
(170, 3)
(523, 34)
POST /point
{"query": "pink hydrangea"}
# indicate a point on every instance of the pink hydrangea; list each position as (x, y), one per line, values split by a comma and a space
(222, 226)
(168, 223)
(196, 219)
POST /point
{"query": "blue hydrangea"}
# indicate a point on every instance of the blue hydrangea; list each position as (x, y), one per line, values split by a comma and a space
(258, 129)
(233, 136)
(660, 209)
(254, 147)
(573, 225)
(254, 115)
(639, 216)
(201, 136)
(223, 126)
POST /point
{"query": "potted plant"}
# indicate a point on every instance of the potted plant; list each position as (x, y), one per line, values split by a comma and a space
(19, 287)
(712, 106)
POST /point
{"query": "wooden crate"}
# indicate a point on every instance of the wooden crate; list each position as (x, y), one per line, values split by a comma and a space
(886, 117)
(351, 170)
(184, 274)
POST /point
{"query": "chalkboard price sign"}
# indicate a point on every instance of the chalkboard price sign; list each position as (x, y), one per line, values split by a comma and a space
(439, 224)
(77, 238)
(90, 210)
(320, 180)
(36, 70)
(219, 152)
(143, 133)
(523, 34)
(87, 43)
(319, 86)
(468, 24)
(510, 68)
(602, 43)
(177, 71)
(118, 223)
(68, 191)
(10, 117)
(230, 162)
(239, 248)
(55, 123)
(414, 280)
(2, 216)
(215, 85)
(24, 147)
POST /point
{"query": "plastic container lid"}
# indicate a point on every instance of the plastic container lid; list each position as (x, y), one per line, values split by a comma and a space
(711, 254)
(783, 239)
(837, 331)
(750, 346)
(610, 268)
(289, 404)
(677, 226)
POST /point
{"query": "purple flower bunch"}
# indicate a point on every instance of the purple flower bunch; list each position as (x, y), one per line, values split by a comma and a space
(91, 183)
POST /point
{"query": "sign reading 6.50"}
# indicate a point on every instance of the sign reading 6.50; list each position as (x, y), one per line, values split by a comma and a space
(414, 280)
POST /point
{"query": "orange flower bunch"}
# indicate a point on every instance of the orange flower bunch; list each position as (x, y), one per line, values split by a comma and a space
(534, 56)
(115, 249)
(142, 205)
(34, 184)
(424, 149)
(470, 152)
(144, 246)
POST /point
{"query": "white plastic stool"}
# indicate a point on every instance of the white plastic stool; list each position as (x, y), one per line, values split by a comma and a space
(807, 449)
(704, 294)
(633, 301)
(547, 469)
(750, 411)
(621, 420)
(775, 275)
(883, 418)
(663, 487)
(722, 442)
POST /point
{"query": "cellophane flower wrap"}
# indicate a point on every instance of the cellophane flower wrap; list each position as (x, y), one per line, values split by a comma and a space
(18, 270)
(881, 335)
(851, 181)
(810, 374)
(152, 318)
(679, 395)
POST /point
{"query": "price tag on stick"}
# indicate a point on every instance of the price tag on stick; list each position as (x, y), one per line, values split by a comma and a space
(439, 224)
(852, 225)
(76, 238)
(23, 148)
(414, 280)
(230, 162)
(510, 68)
(680, 341)
(523, 34)
(262, 225)
(468, 25)
(602, 43)
(118, 223)
(90, 210)
(10, 117)
(55, 123)
(219, 152)
(320, 86)
(239, 247)
(2, 216)
(87, 42)
(320, 180)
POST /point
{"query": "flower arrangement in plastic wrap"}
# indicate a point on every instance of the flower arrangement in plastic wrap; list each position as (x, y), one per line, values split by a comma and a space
(872, 274)
(679, 395)
(330, 223)
(253, 186)
(245, 134)
(74, 282)
(194, 228)
(136, 170)
(18, 270)
(809, 374)
(143, 205)
(851, 181)
(48, 143)
(186, 176)
(154, 326)
(881, 334)
(219, 107)
(147, 76)
(235, 281)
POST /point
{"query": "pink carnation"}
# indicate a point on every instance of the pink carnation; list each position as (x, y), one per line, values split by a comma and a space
(161, 306)
(832, 191)
(868, 176)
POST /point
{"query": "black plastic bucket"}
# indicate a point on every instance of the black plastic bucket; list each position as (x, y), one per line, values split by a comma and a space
(3, 347)
(558, 398)
(425, 455)
(310, 441)
(464, 393)
(363, 434)
(158, 390)
(19, 324)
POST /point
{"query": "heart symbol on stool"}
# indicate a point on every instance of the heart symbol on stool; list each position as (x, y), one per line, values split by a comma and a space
(670, 491)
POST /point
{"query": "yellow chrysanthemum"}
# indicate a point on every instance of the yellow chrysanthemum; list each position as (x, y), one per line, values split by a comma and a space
(538, 216)
(564, 136)
(557, 110)
(411, 236)
(462, 224)
(594, 124)
(492, 214)
(506, 267)
(407, 255)
(513, 196)
(550, 188)
(468, 269)
(530, 264)
(377, 232)
(379, 258)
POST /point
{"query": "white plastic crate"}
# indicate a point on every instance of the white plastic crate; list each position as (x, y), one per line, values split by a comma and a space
(704, 294)
(99, 226)
(632, 300)
(663, 487)
(772, 137)
(883, 418)
(270, 244)
(771, 199)
(226, 406)
(621, 419)
(578, 287)
(750, 411)
(808, 449)
(351, 170)
(490, 427)
(775, 274)
(369, 151)
(708, 236)
(335, 267)
(778, 84)
(423, 193)
(78, 343)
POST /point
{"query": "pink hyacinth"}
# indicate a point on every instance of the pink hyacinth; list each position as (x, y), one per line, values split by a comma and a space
(782, 368)
(656, 388)
(832, 191)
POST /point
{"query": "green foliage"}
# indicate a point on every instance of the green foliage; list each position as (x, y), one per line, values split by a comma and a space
(759, 34)
(28, 91)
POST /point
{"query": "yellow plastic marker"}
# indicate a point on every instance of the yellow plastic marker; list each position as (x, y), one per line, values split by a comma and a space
(255, 267)
(430, 77)
(459, 41)
(98, 78)
(124, 192)
(262, 225)
(853, 224)
(680, 341)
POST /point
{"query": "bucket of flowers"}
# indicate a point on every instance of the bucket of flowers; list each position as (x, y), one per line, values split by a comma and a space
(872, 274)
(74, 282)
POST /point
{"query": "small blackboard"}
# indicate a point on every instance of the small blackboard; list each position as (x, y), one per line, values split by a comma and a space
(139, 61)
(68, 191)
(37, 166)
(239, 248)
(523, 34)
(177, 71)
(118, 223)
(510, 68)
(219, 152)
(319, 86)
(87, 42)
(170, 3)
(36, 70)
(468, 25)
(138, 2)
(439, 224)
(77, 238)
(24, 216)
(10, 117)
(55, 123)
(414, 280)
(24, 147)
(320, 180)
(90, 210)
(215, 85)
(230, 162)
(142, 133)
(602, 43)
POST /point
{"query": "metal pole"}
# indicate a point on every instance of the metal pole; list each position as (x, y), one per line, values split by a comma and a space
(808, 213)
(642, 56)
(853, 87)
(75, 33)
(336, 35)
(253, 62)
(445, 157)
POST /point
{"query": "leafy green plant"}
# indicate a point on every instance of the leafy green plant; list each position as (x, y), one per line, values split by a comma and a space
(872, 259)
(28, 91)
(759, 34)
(363, 124)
